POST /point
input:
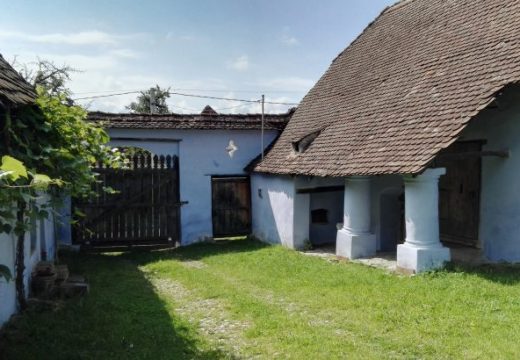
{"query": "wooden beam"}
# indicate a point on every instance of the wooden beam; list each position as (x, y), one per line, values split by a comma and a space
(476, 154)
(321, 189)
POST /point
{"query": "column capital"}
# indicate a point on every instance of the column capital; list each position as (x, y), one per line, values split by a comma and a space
(426, 176)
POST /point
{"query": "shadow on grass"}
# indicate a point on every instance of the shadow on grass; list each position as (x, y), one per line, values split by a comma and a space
(503, 273)
(121, 318)
(197, 251)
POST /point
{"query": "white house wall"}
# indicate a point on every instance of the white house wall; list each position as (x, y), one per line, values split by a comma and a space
(44, 243)
(272, 202)
(7, 290)
(281, 215)
(202, 154)
(499, 231)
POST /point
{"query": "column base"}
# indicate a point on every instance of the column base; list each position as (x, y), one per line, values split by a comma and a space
(416, 260)
(355, 246)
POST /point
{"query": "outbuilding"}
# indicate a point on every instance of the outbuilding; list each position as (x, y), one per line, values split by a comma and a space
(413, 132)
(209, 186)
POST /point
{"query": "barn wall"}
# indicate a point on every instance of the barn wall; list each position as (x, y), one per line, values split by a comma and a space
(499, 230)
(202, 153)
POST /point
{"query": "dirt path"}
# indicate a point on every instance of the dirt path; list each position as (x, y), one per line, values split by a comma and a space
(209, 315)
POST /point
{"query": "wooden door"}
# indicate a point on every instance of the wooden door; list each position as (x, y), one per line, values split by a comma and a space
(231, 206)
(459, 193)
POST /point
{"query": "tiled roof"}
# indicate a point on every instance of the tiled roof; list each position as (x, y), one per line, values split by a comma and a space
(13, 87)
(403, 90)
(191, 121)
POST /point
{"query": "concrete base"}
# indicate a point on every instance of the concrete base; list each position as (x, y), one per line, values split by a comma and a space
(415, 259)
(355, 246)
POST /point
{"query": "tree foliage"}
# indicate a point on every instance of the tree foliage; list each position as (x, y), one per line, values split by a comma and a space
(152, 100)
(46, 74)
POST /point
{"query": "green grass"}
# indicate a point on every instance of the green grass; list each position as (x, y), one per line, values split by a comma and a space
(271, 303)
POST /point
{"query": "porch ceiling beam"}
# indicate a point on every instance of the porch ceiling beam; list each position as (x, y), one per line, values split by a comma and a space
(320, 189)
(475, 154)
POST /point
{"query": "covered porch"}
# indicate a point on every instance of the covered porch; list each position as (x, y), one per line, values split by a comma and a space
(422, 249)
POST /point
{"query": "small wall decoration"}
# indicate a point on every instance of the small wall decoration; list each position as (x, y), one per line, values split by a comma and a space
(231, 148)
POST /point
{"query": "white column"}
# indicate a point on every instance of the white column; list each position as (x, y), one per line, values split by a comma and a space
(422, 249)
(354, 240)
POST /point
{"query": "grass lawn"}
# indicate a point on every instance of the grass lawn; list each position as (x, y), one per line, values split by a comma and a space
(243, 299)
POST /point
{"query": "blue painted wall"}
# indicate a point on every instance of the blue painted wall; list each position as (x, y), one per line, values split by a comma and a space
(202, 153)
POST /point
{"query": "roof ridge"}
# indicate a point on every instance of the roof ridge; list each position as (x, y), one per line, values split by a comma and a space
(397, 5)
(362, 32)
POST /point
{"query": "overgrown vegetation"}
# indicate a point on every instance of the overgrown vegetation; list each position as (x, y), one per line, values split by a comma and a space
(47, 147)
(246, 299)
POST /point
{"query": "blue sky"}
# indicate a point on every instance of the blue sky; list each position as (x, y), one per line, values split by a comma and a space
(225, 48)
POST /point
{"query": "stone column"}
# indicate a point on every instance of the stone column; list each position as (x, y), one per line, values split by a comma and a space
(422, 249)
(354, 239)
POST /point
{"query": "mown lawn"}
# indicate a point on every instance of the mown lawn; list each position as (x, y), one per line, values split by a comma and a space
(243, 299)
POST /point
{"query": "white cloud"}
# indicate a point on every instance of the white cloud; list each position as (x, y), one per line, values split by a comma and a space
(80, 38)
(289, 84)
(289, 40)
(103, 61)
(240, 64)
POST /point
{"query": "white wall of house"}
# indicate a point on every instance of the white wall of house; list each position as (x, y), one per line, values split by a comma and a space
(499, 231)
(37, 242)
(202, 154)
(272, 203)
(7, 290)
(281, 215)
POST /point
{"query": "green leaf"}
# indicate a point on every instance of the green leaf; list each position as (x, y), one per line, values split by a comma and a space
(79, 213)
(41, 180)
(16, 167)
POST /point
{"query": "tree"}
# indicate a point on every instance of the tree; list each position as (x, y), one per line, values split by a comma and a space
(51, 77)
(152, 101)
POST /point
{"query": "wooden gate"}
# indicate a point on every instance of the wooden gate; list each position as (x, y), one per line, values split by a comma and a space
(145, 210)
(231, 198)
